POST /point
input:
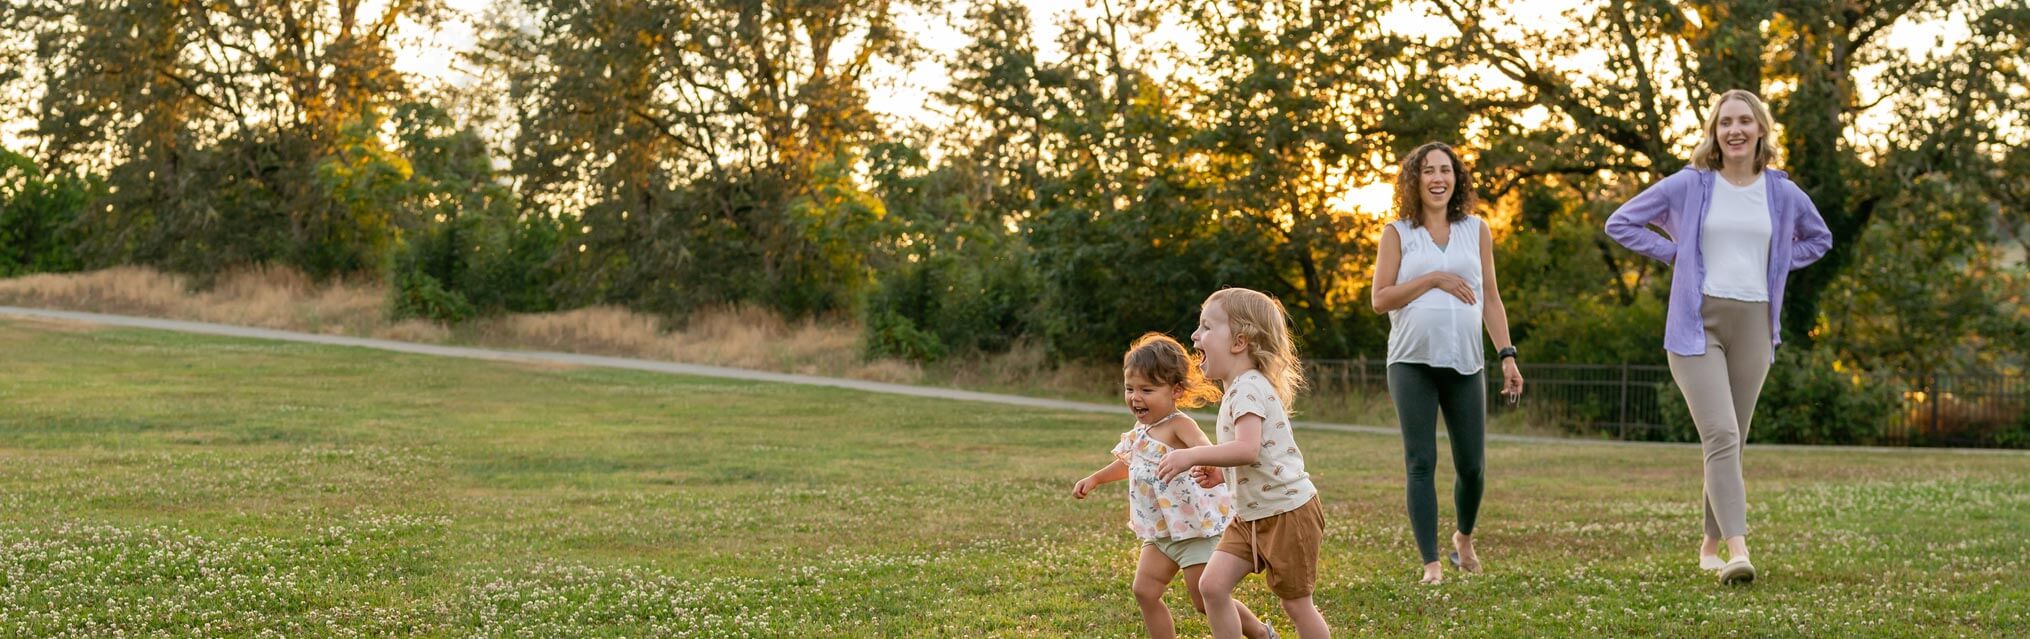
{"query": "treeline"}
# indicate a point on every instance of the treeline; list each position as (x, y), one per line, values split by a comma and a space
(668, 155)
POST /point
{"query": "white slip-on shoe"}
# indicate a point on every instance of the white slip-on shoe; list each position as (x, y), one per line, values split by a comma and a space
(1738, 571)
(1710, 563)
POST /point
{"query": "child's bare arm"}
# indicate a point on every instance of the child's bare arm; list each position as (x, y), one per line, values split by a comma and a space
(1189, 433)
(1113, 472)
(1245, 449)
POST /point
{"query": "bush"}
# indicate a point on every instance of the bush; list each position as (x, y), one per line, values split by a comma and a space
(1807, 399)
(465, 248)
(2018, 437)
(37, 217)
(418, 294)
(892, 335)
(472, 265)
(948, 303)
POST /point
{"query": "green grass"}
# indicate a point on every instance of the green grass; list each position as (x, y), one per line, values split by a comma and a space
(157, 484)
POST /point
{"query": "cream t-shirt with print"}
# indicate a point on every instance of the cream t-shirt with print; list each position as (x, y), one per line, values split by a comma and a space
(1276, 483)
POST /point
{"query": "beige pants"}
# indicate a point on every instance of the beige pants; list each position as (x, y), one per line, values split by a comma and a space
(1720, 387)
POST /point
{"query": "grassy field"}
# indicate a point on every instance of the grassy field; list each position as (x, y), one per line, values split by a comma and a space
(741, 337)
(156, 484)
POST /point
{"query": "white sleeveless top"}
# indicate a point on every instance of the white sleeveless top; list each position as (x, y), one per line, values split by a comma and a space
(1437, 329)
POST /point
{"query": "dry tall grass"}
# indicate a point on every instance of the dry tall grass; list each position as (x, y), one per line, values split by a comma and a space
(282, 298)
(267, 297)
(739, 337)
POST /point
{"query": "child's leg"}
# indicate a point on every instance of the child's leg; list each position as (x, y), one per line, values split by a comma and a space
(1305, 618)
(1290, 546)
(1251, 626)
(1217, 584)
(1152, 577)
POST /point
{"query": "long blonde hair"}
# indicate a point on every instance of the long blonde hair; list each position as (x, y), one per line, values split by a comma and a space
(1261, 321)
(1707, 156)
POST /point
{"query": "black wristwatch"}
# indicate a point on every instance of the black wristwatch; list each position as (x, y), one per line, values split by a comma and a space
(1507, 352)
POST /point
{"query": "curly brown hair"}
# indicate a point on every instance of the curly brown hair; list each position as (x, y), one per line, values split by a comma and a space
(1159, 359)
(1410, 203)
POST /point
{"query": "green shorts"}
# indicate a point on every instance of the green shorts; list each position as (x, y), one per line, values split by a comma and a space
(1186, 552)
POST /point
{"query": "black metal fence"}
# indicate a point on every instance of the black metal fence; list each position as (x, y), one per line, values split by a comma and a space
(1626, 401)
(1958, 410)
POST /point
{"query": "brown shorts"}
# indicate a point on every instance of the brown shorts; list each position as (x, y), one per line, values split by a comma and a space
(1285, 545)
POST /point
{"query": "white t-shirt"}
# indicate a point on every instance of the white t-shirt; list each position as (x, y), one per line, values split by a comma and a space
(1735, 241)
(1437, 329)
(1276, 483)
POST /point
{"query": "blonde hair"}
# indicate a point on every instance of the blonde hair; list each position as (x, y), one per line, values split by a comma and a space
(1707, 156)
(1158, 358)
(1261, 321)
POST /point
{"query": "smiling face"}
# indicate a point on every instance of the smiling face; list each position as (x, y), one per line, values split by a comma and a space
(1737, 132)
(1148, 400)
(1222, 352)
(1436, 181)
(1432, 180)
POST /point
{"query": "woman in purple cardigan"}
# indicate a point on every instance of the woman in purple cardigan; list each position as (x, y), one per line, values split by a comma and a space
(1733, 230)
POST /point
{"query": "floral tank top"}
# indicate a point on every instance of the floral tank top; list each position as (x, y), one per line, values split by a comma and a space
(1175, 509)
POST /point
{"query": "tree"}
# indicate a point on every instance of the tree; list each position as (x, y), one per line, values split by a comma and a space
(1804, 57)
(468, 250)
(213, 121)
(689, 136)
(1123, 236)
(1292, 105)
(37, 212)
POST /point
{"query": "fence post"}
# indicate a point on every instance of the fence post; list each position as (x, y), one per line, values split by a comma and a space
(1931, 393)
(1623, 420)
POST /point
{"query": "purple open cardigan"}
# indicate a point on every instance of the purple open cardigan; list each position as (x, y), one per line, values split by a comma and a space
(1678, 204)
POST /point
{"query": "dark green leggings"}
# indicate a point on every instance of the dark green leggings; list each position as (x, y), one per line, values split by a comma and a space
(1420, 392)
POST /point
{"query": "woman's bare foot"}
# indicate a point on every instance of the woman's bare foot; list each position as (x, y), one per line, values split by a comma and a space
(1434, 574)
(1466, 558)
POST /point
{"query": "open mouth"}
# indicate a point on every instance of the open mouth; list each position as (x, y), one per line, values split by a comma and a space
(1737, 145)
(1438, 191)
(1140, 412)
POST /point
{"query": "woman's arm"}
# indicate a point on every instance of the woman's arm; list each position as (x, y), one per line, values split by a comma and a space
(1495, 315)
(1389, 295)
(1811, 239)
(1629, 225)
